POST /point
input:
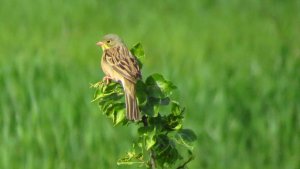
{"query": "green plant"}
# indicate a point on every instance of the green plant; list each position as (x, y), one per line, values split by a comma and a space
(161, 137)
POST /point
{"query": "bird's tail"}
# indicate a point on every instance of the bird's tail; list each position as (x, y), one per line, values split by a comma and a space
(132, 108)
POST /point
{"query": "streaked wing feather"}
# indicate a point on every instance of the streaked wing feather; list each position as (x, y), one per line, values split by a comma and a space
(123, 62)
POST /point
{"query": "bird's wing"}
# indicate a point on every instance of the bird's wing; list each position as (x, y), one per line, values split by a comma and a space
(123, 62)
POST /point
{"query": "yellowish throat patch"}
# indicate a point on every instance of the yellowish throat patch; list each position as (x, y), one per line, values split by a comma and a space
(105, 46)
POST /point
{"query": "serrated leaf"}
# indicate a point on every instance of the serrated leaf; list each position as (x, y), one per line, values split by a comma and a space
(186, 137)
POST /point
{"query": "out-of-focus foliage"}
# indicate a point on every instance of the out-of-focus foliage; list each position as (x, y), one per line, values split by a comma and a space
(236, 64)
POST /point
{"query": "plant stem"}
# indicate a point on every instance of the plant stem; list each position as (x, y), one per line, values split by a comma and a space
(152, 155)
(152, 160)
(145, 121)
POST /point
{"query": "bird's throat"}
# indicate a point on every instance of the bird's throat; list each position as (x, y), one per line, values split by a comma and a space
(104, 47)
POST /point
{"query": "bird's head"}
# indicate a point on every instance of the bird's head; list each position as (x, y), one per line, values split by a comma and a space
(110, 41)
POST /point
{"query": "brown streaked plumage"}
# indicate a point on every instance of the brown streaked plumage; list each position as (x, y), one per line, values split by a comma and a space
(120, 65)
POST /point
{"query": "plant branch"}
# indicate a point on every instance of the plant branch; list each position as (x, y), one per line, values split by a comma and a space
(152, 155)
(152, 160)
(145, 120)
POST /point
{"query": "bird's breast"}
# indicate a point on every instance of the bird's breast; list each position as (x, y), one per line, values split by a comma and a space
(109, 71)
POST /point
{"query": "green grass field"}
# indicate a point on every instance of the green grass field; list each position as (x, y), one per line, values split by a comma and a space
(236, 64)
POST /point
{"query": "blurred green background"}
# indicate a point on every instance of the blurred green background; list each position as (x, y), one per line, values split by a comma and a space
(236, 64)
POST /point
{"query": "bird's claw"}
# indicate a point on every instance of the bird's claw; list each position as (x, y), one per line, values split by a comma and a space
(106, 79)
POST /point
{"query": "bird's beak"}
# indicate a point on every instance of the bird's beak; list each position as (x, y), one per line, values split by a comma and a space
(100, 44)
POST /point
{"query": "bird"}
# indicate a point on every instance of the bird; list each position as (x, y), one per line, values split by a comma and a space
(120, 65)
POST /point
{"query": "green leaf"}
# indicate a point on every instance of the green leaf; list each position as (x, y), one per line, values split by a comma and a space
(139, 53)
(150, 141)
(166, 152)
(152, 107)
(119, 116)
(112, 87)
(158, 87)
(97, 95)
(140, 93)
(178, 126)
(186, 137)
(131, 158)
(144, 130)
(165, 101)
(149, 135)
(176, 109)
(174, 122)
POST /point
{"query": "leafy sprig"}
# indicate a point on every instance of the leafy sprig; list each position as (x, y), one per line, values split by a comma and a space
(162, 140)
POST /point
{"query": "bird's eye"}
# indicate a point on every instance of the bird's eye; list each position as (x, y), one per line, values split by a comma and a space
(108, 41)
